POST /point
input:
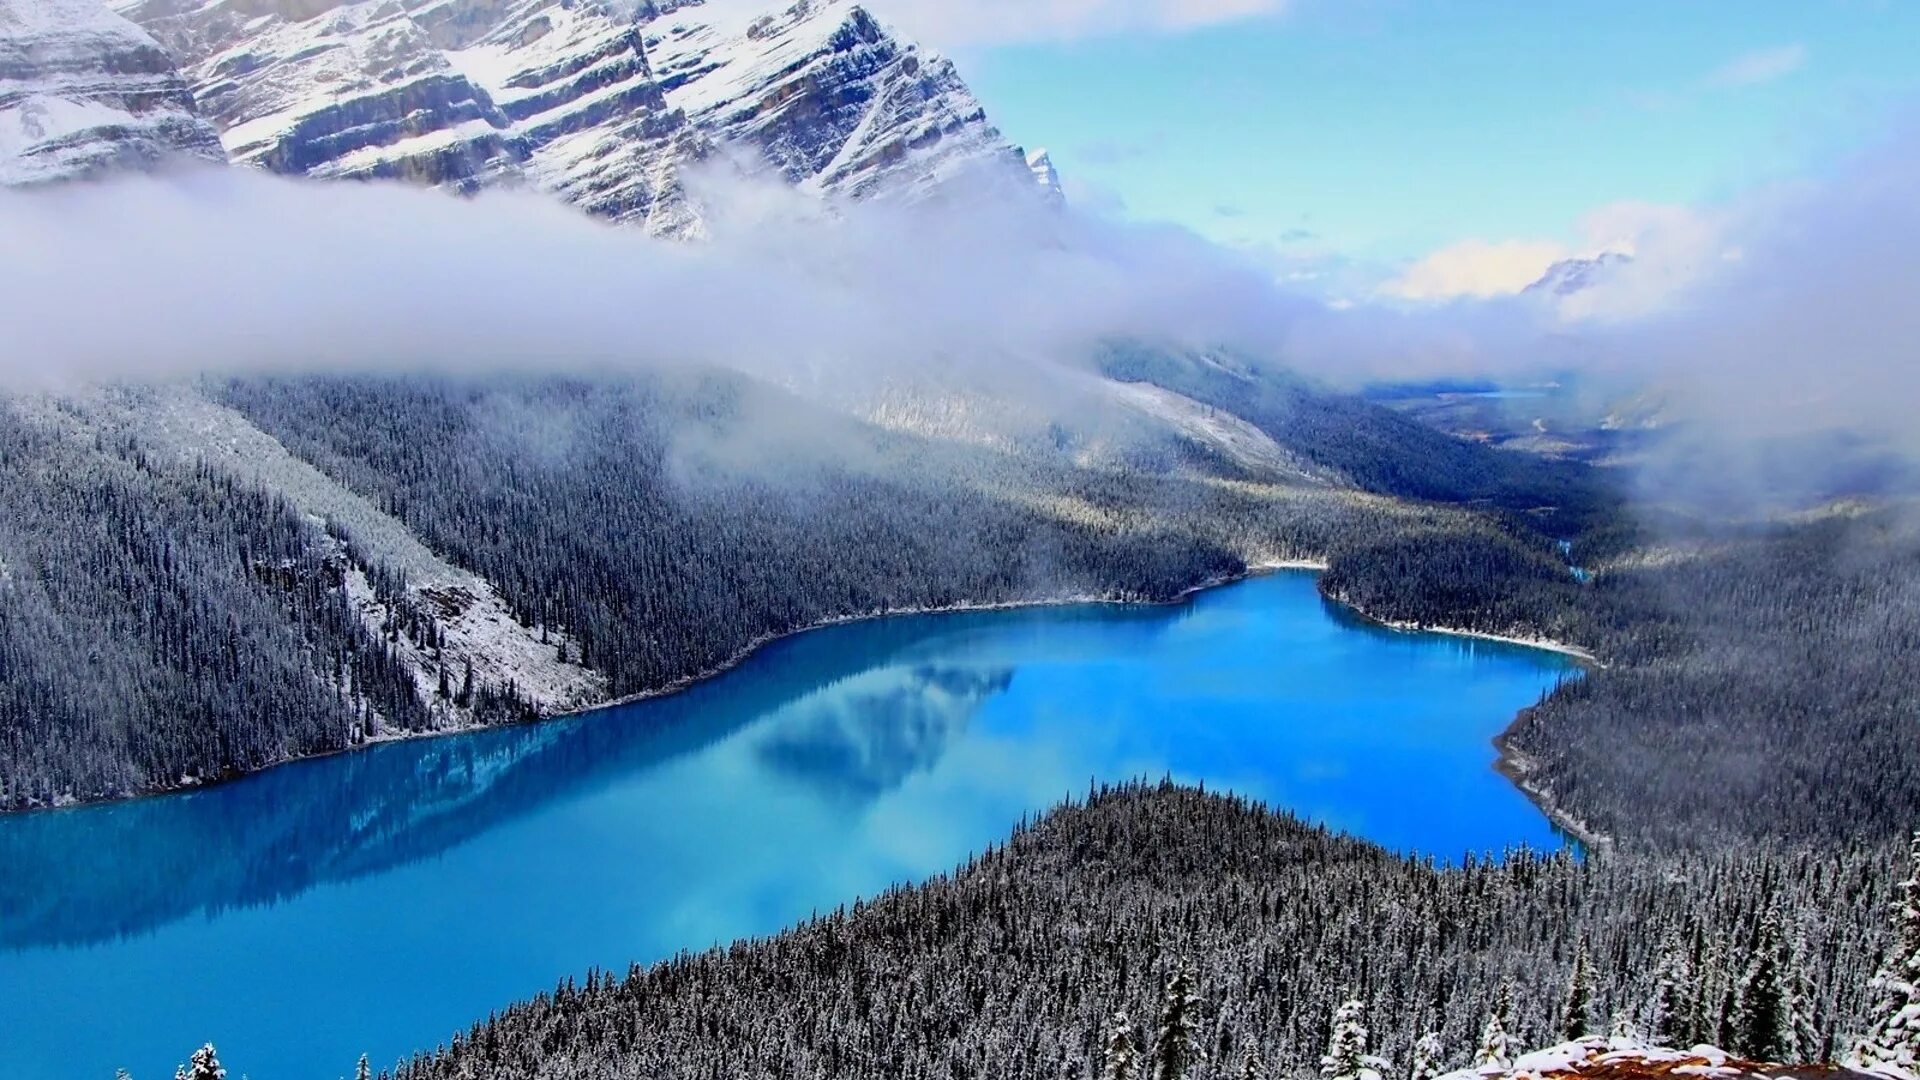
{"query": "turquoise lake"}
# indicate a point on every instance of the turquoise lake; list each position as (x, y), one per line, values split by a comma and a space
(380, 901)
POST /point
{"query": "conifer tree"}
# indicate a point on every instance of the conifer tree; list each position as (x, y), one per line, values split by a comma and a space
(1120, 1055)
(1496, 1045)
(1800, 1036)
(1253, 1066)
(364, 1070)
(1576, 1011)
(205, 1065)
(1346, 1056)
(1670, 1014)
(1762, 1014)
(1176, 1046)
(1891, 1045)
(1429, 1057)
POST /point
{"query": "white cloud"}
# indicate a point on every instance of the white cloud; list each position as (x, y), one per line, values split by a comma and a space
(997, 22)
(1477, 268)
(231, 269)
(1670, 245)
(1759, 66)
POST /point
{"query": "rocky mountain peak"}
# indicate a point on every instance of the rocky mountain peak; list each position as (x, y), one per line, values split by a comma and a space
(85, 92)
(1040, 164)
(605, 105)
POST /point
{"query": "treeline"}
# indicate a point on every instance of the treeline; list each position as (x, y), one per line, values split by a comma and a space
(1760, 683)
(1013, 967)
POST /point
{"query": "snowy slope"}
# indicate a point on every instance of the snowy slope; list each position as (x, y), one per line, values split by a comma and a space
(826, 94)
(181, 426)
(83, 92)
(599, 103)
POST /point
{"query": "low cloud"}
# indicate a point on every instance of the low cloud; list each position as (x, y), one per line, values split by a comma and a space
(235, 270)
(1477, 268)
(1001, 22)
(1788, 309)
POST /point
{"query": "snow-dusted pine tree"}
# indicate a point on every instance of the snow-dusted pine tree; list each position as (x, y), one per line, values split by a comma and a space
(1253, 1066)
(1120, 1054)
(364, 1070)
(1762, 1016)
(1496, 1043)
(1576, 1018)
(1346, 1056)
(1891, 1045)
(1670, 1014)
(204, 1066)
(1176, 1044)
(1429, 1057)
(1800, 1035)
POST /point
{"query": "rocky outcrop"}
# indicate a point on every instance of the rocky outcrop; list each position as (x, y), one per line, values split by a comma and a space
(605, 106)
(84, 92)
(1630, 1059)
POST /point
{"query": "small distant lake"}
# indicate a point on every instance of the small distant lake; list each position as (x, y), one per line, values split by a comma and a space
(379, 901)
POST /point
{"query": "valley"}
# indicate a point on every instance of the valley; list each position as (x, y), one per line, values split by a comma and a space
(755, 574)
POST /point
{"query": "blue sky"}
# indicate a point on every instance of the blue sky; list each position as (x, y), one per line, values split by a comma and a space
(1380, 130)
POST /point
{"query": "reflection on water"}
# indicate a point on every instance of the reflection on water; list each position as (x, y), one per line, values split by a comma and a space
(378, 901)
(830, 739)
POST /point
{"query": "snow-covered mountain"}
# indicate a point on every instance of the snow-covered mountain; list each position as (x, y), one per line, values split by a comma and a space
(1040, 164)
(83, 91)
(1570, 276)
(601, 103)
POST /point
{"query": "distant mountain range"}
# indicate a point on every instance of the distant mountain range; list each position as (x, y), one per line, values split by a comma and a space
(604, 105)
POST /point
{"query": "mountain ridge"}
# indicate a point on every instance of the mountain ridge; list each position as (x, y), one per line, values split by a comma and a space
(605, 107)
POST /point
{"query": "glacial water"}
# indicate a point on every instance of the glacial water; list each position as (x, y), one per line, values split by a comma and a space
(379, 901)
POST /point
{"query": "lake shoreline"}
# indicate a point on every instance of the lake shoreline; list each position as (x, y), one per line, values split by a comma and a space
(1519, 768)
(1507, 763)
(1510, 761)
(678, 686)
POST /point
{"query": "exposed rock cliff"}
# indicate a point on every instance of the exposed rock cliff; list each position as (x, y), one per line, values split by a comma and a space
(603, 105)
(83, 92)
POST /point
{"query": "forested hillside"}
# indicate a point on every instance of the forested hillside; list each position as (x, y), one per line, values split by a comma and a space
(502, 546)
(1759, 680)
(160, 624)
(1014, 967)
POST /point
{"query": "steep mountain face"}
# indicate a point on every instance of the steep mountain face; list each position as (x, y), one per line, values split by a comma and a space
(1040, 164)
(83, 92)
(603, 105)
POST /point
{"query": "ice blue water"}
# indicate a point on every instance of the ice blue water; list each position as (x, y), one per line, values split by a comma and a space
(380, 901)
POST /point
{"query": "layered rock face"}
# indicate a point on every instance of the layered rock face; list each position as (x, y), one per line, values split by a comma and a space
(84, 92)
(605, 106)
